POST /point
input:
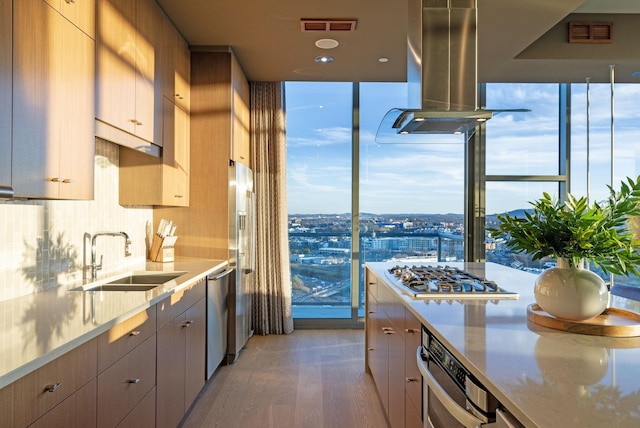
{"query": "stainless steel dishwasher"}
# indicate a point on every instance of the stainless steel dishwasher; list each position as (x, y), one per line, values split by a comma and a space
(217, 318)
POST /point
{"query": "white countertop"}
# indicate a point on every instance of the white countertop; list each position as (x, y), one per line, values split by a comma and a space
(40, 327)
(545, 377)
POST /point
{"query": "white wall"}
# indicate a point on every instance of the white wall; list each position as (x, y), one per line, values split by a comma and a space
(43, 243)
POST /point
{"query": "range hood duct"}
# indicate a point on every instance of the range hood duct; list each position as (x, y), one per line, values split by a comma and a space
(442, 72)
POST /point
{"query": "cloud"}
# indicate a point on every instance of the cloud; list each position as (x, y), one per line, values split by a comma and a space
(320, 137)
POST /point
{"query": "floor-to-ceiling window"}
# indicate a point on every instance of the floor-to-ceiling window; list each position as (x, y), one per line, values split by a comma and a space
(319, 146)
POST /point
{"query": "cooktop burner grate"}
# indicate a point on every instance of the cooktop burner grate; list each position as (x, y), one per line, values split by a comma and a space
(446, 282)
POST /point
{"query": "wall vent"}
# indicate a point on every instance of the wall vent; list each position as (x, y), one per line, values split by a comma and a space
(590, 32)
(343, 25)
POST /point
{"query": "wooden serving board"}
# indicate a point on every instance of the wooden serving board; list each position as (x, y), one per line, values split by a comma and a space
(613, 322)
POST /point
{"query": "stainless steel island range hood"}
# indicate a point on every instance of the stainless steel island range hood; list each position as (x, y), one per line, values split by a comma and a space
(441, 72)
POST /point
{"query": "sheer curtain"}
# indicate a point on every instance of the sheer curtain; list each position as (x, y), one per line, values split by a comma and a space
(272, 286)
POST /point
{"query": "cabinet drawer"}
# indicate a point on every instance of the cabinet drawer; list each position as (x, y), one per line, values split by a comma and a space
(122, 338)
(391, 305)
(77, 411)
(41, 390)
(143, 415)
(125, 383)
(372, 283)
(179, 302)
(412, 340)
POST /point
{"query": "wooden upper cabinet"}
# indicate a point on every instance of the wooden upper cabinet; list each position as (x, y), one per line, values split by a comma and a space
(164, 180)
(126, 65)
(182, 75)
(53, 105)
(176, 67)
(240, 101)
(5, 96)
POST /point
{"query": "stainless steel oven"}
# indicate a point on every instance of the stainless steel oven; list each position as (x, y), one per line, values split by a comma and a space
(452, 397)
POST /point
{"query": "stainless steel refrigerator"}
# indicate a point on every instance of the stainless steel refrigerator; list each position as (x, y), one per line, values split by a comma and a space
(241, 257)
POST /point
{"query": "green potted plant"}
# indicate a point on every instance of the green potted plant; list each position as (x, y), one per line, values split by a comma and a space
(574, 232)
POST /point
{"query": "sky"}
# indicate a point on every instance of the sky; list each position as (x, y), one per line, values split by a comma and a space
(428, 177)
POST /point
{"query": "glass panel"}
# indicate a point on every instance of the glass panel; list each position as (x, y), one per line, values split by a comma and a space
(411, 195)
(625, 137)
(592, 158)
(319, 135)
(513, 197)
(522, 143)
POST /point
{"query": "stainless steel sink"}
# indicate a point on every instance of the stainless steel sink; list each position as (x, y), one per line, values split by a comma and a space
(120, 287)
(137, 281)
(146, 278)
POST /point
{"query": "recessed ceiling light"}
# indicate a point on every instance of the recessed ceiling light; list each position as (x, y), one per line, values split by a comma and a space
(326, 43)
(323, 59)
(383, 59)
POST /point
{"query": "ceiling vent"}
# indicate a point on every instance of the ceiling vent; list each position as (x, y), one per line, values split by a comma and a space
(314, 25)
(590, 32)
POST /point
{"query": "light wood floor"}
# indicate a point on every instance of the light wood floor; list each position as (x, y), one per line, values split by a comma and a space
(308, 379)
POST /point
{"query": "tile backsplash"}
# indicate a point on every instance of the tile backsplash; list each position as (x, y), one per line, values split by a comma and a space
(45, 244)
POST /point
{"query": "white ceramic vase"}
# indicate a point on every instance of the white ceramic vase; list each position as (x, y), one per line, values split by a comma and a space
(571, 293)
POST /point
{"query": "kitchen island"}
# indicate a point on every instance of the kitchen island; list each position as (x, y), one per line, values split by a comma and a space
(544, 377)
(38, 328)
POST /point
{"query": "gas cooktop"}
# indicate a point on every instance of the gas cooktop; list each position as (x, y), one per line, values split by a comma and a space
(446, 282)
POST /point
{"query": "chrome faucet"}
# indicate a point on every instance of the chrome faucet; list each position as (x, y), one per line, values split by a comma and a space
(96, 267)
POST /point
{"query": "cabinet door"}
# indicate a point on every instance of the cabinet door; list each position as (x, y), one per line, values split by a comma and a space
(240, 136)
(175, 156)
(148, 26)
(195, 370)
(6, 83)
(36, 154)
(75, 110)
(413, 378)
(170, 377)
(116, 63)
(182, 74)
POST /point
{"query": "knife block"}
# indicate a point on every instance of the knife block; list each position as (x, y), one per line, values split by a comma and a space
(162, 249)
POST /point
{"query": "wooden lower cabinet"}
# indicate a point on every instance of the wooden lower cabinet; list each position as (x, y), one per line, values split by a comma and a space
(181, 364)
(393, 335)
(144, 372)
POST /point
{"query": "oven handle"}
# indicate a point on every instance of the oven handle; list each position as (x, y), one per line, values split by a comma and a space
(431, 384)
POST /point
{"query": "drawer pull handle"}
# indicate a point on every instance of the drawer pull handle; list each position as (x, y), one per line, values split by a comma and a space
(389, 332)
(371, 349)
(371, 312)
(410, 379)
(187, 323)
(135, 333)
(136, 380)
(410, 330)
(52, 387)
(387, 328)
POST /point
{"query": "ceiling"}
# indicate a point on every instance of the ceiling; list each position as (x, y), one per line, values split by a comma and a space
(518, 40)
